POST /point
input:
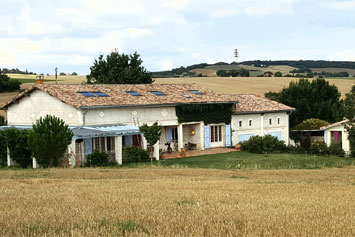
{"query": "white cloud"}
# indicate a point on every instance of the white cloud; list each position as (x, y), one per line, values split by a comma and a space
(164, 64)
(341, 5)
(224, 13)
(264, 8)
(176, 4)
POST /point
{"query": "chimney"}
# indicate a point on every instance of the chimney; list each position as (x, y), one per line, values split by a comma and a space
(39, 79)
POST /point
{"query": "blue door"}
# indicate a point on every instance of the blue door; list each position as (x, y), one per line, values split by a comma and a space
(228, 135)
(128, 140)
(244, 137)
(207, 137)
(88, 146)
(170, 134)
(277, 134)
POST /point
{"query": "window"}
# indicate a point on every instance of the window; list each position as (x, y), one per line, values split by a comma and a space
(103, 144)
(133, 93)
(216, 134)
(99, 94)
(86, 94)
(240, 123)
(270, 121)
(250, 122)
(187, 96)
(110, 144)
(196, 92)
(92, 93)
(174, 134)
(157, 93)
(95, 144)
(278, 120)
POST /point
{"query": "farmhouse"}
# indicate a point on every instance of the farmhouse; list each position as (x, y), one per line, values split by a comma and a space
(107, 117)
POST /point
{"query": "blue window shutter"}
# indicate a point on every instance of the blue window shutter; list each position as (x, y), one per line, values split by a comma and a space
(228, 135)
(276, 134)
(325, 136)
(170, 134)
(88, 146)
(207, 137)
(128, 140)
(244, 137)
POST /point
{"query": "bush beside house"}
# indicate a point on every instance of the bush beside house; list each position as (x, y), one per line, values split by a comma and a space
(263, 144)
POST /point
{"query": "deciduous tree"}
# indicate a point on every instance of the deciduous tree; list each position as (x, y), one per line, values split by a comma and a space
(118, 68)
(312, 99)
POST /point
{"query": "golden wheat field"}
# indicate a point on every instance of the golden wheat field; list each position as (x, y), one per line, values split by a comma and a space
(156, 201)
(254, 85)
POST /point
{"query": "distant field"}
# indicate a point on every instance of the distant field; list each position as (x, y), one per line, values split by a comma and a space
(157, 201)
(30, 79)
(335, 70)
(255, 85)
(211, 70)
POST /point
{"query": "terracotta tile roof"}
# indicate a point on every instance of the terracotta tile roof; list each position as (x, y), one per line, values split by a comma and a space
(334, 124)
(117, 95)
(250, 103)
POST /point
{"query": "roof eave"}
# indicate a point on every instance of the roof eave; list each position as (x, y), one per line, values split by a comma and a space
(264, 111)
(149, 105)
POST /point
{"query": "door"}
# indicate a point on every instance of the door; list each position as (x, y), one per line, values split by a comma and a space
(207, 137)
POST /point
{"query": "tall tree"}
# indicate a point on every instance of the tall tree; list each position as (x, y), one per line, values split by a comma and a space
(118, 68)
(349, 109)
(312, 99)
(49, 139)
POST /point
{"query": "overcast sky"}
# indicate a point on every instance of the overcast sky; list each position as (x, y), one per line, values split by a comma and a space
(40, 35)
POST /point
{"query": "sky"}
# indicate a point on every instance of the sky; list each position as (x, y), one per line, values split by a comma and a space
(40, 35)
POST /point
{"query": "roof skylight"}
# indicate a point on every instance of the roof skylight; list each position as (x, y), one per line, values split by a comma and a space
(99, 94)
(157, 93)
(196, 92)
(86, 94)
(133, 93)
(92, 93)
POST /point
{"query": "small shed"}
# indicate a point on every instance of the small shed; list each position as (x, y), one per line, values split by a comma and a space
(337, 133)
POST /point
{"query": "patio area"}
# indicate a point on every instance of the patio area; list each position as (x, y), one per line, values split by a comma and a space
(190, 153)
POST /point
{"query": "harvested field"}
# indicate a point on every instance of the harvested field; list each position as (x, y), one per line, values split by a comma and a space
(245, 85)
(177, 202)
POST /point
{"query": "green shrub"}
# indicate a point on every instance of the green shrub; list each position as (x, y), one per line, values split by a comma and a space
(49, 139)
(17, 141)
(133, 154)
(335, 149)
(2, 121)
(265, 144)
(319, 148)
(97, 158)
(3, 149)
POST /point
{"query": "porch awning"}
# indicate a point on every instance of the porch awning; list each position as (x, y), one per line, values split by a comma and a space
(93, 131)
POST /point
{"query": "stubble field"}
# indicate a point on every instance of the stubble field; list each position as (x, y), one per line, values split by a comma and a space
(177, 202)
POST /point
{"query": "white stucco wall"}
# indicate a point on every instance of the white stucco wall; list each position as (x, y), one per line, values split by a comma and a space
(39, 104)
(165, 116)
(260, 125)
(344, 138)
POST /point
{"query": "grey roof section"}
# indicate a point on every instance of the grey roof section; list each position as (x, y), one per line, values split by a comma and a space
(92, 131)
